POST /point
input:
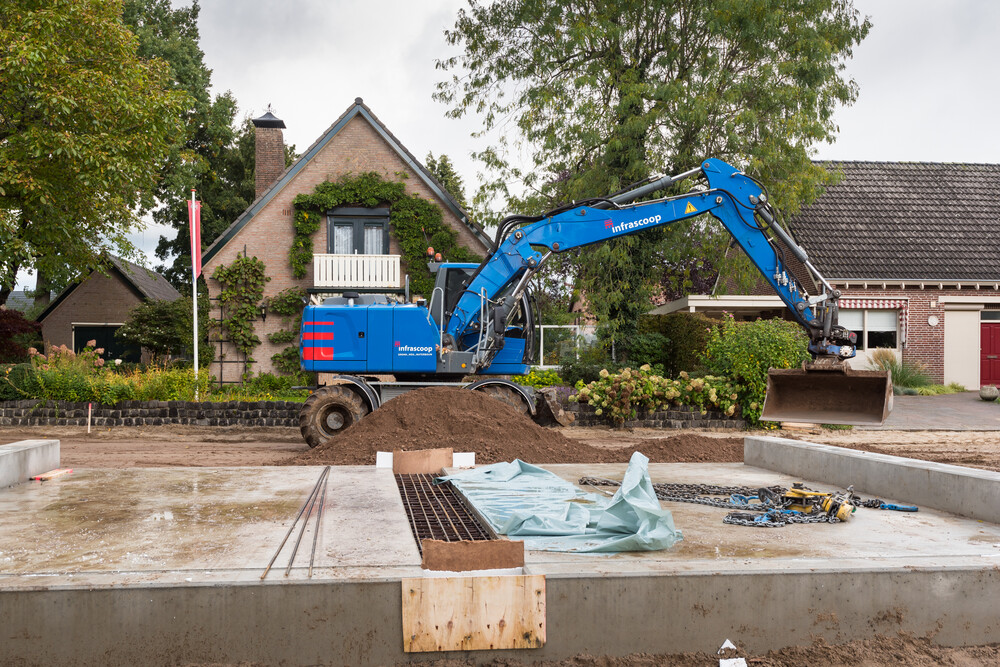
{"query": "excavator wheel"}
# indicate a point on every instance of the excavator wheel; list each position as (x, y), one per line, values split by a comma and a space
(506, 395)
(328, 412)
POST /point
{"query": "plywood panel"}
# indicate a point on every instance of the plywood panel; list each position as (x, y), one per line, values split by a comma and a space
(472, 555)
(473, 613)
(421, 461)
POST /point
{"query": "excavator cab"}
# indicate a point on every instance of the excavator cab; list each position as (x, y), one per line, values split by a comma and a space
(828, 394)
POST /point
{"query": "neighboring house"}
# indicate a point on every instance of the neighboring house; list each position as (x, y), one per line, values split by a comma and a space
(19, 300)
(94, 308)
(914, 248)
(360, 255)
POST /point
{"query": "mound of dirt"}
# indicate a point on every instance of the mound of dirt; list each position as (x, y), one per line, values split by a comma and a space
(468, 421)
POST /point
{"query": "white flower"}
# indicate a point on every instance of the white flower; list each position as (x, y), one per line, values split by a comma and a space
(118, 362)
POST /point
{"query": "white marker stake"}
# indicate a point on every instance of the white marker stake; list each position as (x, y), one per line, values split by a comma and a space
(90, 409)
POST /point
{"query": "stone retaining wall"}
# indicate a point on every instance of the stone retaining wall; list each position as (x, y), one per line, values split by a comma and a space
(675, 417)
(150, 413)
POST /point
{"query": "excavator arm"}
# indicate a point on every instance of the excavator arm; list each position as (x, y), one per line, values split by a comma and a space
(740, 204)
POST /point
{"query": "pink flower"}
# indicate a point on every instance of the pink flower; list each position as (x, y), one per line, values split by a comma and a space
(92, 343)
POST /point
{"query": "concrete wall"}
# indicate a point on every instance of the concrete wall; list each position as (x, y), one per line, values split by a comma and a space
(20, 461)
(99, 299)
(355, 149)
(328, 622)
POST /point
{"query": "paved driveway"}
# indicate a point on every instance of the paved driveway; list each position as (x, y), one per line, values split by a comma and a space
(950, 412)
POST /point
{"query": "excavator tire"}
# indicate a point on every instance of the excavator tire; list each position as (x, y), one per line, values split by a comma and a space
(506, 395)
(328, 412)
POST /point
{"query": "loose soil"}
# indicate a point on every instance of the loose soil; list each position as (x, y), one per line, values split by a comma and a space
(880, 651)
(473, 422)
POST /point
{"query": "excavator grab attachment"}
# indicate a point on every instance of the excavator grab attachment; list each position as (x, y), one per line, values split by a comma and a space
(828, 395)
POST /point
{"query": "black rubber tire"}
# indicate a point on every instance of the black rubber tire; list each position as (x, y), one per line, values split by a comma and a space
(328, 411)
(511, 397)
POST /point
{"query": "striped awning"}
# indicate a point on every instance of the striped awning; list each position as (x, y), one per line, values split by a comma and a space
(901, 305)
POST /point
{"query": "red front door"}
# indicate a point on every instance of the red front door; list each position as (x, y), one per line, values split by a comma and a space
(989, 353)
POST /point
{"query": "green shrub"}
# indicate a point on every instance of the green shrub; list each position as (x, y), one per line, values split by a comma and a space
(584, 365)
(539, 379)
(618, 396)
(267, 387)
(648, 347)
(17, 381)
(745, 351)
(905, 374)
(686, 337)
(938, 389)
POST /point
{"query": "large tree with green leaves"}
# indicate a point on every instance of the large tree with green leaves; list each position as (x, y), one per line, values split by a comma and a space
(85, 124)
(603, 93)
(211, 156)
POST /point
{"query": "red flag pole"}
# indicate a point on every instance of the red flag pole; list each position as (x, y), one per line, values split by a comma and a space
(194, 217)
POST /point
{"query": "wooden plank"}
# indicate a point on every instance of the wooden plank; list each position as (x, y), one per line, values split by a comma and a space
(473, 613)
(472, 555)
(46, 476)
(421, 461)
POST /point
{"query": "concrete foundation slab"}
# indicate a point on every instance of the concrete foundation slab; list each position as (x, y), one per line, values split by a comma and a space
(20, 461)
(968, 492)
(163, 566)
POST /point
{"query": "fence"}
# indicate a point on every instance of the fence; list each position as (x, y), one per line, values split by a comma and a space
(364, 271)
(557, 342)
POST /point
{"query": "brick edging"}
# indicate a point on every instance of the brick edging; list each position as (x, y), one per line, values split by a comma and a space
(150, 413)
(676, 417)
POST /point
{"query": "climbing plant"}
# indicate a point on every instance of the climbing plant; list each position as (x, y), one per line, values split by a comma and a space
(288, 305)
(242, 290)
(416, 223)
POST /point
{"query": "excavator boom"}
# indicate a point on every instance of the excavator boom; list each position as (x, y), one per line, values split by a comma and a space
(826, 391)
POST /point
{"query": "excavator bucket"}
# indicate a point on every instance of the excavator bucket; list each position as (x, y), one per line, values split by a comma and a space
(838, 395)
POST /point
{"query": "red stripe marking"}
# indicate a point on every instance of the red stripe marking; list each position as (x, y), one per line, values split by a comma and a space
(317, 353)
(319, 335)
(318, 324)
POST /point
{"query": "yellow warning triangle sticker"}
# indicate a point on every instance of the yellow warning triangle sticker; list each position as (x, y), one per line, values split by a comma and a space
(690, 209)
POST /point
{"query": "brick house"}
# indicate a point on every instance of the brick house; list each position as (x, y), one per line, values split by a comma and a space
(913, 248)
(94, 308)
(361, 255)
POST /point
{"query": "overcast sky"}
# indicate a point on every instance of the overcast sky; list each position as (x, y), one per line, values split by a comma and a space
(927, 73)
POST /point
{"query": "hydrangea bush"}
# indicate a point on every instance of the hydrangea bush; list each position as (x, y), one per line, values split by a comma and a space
(619, 396)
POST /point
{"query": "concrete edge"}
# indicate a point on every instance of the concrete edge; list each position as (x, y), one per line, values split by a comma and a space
(19, 461)
(968, 492)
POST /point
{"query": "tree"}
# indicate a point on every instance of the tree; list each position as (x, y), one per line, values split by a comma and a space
(444, 171)
(165, 327)
(207, 157)
(85, 124)
(602, 94)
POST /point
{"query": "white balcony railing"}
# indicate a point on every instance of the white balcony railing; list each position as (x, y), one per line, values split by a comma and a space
(356, 271)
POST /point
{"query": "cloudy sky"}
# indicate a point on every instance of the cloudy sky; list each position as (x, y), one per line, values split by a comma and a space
(927, 74)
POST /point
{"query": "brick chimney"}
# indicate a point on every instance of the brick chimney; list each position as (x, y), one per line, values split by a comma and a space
(270, 153)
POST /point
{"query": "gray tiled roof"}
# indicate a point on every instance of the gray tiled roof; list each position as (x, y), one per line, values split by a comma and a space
(905, 221)
(19, 300)
(152, 285)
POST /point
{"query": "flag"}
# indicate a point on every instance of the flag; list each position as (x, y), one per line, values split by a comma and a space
(194, 216)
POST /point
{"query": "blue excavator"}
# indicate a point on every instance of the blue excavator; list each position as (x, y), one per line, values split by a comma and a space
(480, 321)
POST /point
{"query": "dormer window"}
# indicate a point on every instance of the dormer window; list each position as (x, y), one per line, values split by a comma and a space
(358, 231)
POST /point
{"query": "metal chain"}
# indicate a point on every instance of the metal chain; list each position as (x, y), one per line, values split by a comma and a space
(769, 512)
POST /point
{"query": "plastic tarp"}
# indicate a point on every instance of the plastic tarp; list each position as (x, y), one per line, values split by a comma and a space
(525, 502)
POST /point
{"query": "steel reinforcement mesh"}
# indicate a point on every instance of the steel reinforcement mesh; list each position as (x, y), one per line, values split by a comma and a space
(436, 512)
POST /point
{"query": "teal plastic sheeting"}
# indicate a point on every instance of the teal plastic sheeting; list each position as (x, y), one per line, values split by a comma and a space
(525, 502)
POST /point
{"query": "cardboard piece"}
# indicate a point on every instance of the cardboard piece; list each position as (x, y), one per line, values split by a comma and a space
(421, 461)
(472, 555)
(473, 613)
(46, 476)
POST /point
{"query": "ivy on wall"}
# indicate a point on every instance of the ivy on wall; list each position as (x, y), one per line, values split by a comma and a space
(242, 290)
(287, 304)
(415, 222)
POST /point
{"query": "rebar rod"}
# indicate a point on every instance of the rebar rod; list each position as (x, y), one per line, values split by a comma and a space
(305, 524)
(292, 527)
(319, 522)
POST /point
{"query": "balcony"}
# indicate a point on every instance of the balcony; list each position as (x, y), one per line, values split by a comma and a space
(356, 271)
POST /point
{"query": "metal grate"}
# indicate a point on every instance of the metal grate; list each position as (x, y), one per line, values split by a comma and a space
(436, 511)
